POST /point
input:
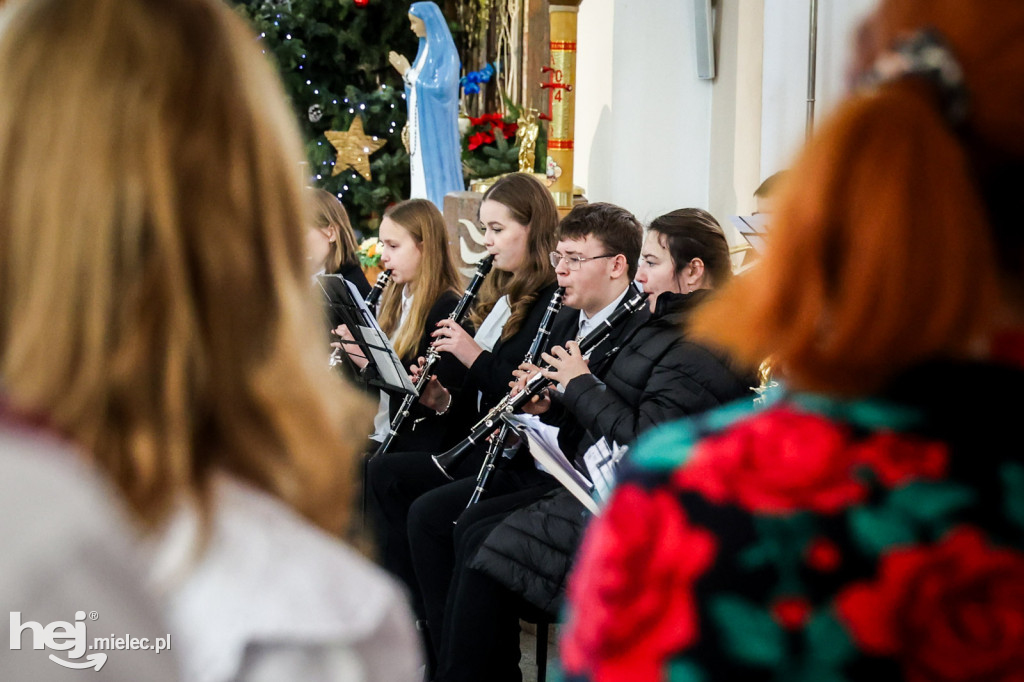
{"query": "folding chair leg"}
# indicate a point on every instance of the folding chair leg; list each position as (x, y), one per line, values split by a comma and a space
(542, 651)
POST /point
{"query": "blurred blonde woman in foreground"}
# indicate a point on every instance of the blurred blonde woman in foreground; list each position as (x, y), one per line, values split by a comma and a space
(160, 318)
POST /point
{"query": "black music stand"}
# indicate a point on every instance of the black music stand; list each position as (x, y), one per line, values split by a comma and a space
(345, 306)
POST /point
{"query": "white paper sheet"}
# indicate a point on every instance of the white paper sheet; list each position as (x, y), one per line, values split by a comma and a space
(543, 441)
(602, 460)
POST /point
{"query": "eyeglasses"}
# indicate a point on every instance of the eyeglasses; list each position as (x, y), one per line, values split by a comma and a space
(575, 261)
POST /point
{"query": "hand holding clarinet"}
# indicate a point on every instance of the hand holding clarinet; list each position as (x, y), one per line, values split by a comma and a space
(563, 365)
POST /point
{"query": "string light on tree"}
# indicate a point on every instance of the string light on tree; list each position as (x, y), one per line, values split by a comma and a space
(324, 62)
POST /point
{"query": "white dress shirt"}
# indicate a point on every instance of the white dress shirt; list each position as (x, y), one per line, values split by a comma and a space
(490, 329)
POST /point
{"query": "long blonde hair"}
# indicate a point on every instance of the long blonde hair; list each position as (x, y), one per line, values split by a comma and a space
(159, 315)
(437, 273)
(532, 205)
(330, 214)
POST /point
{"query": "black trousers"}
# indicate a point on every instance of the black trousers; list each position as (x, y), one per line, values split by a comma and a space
(477, 619)
(394, 480)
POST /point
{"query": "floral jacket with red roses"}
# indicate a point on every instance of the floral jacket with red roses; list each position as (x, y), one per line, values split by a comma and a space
(816, 540)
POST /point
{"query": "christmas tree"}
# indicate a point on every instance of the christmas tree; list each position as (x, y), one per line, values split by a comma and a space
(332, 55)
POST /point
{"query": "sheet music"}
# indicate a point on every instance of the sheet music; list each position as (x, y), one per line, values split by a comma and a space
(380, 346)
(382, 355)
(390, 371)
(388, 364)
(358, 298)
(602, 460)
(543, 441)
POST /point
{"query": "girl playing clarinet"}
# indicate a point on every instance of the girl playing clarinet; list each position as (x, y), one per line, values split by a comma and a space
(330, 241)
(519, 219)
(425, 289)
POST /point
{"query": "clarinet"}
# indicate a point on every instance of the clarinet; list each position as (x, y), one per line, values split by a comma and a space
(371, 300)
(457, 315)
(447, 461)
(498, 441)
(378, 288)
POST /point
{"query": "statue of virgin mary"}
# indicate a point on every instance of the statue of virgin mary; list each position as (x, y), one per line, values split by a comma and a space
(432, 100)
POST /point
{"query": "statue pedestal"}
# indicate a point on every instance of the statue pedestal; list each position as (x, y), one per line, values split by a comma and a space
(465, 236)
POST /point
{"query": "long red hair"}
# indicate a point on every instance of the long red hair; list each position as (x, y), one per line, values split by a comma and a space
(881, 255)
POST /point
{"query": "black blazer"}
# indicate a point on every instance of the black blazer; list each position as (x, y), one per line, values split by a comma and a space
(491, 373)
(424, 429)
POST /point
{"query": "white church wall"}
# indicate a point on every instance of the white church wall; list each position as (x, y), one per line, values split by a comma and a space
(652, 136)
(785, 73)
(642, 115)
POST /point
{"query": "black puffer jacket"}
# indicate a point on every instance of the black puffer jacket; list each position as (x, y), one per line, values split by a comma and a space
(658, 376)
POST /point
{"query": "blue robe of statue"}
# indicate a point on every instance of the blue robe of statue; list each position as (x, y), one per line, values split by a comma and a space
(432, 96)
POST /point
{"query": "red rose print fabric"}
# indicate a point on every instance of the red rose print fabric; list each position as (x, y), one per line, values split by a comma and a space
(787, 461)
(952, 611)
(776, 464)
(896, 459)
(816, 540)
(635, 591)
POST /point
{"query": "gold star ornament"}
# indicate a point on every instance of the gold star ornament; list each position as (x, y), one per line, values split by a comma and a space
(354, 148)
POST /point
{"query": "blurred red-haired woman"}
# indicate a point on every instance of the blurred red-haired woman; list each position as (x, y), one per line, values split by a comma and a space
(868, 524)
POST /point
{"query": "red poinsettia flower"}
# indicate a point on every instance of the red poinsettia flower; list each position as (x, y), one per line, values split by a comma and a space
(776, 463)
(490, 125)
(509, 130)
(477, 139)
(486, 119)
(632, 591)
(897, 459)
(953, 611)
